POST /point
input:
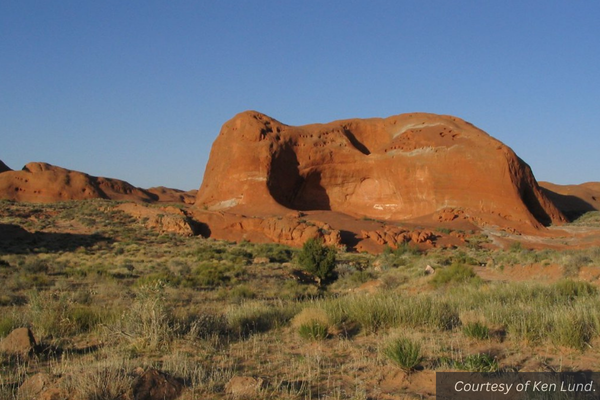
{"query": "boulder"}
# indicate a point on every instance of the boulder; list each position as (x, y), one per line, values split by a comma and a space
(244, 386)
(156, 385)
(33, 386)
(19, 342)
(162, 219)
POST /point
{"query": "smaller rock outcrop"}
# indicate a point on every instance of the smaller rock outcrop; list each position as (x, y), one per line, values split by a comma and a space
(156, 385)
(394, 236)
(19, 342)
(244, 387)
(162, 219)
(34, 386)
(289, 230)
(40, 182)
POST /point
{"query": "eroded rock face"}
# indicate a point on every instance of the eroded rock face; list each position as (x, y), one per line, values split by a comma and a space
(288, 230)
(45, 183)
(162, 219)
(398, 168)
(394, 236)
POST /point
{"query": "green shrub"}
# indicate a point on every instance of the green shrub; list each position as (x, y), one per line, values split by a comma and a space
(406, 248)
(462, 257)
(360, 277)
(213, 273)
(84, 318)
(427, 311)
(106, 380)
(591, 218)
(455, 273)
(166, 277)
(571, 289)
(318, 259)
(573, 329)
(405, 353)
(254, 317)
(35, 266)
(238, 293)
(147, 320)
(387, 310)
(481, 362)
(47, 314)
(7, 324)
(274, 252)
(516, 247)
(313, 330)
(476, 330)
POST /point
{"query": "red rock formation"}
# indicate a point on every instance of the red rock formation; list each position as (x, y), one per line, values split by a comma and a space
(45, 183)
(394, 236)
(162, 219)
(168, 195)
(574, 200)
(289, 230)
(398, 168)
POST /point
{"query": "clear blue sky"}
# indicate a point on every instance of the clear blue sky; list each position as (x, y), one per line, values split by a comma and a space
(138, 90)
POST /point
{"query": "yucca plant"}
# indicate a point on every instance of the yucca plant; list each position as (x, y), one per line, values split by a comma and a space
(405, 353)
(313, 330)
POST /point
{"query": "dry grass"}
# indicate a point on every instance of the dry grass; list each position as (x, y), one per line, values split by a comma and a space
(117, 296)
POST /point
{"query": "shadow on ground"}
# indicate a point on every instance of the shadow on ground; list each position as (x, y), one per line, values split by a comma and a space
(16, 240)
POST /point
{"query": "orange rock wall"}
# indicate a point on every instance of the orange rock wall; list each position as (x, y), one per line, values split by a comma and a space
(397, 168)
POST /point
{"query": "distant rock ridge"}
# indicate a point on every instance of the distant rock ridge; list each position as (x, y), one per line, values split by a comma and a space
(40, 182)
(169, 195)
(399, 168)
(574, 200)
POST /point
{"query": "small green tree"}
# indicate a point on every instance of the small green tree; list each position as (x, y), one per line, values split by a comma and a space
(318, 259)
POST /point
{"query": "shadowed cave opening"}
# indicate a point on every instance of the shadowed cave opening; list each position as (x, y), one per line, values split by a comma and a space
(292, 189)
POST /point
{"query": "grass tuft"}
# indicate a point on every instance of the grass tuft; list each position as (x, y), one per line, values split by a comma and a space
(405, 353)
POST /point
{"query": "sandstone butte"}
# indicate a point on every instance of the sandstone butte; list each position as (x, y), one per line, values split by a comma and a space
(405, 167)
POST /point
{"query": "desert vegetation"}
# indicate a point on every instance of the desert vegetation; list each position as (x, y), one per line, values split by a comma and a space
(105, 297)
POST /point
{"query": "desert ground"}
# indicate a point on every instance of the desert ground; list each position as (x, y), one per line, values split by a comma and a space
(116, 307)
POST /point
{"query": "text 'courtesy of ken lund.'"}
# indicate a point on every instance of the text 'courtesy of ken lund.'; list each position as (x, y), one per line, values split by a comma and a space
(517, 386)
